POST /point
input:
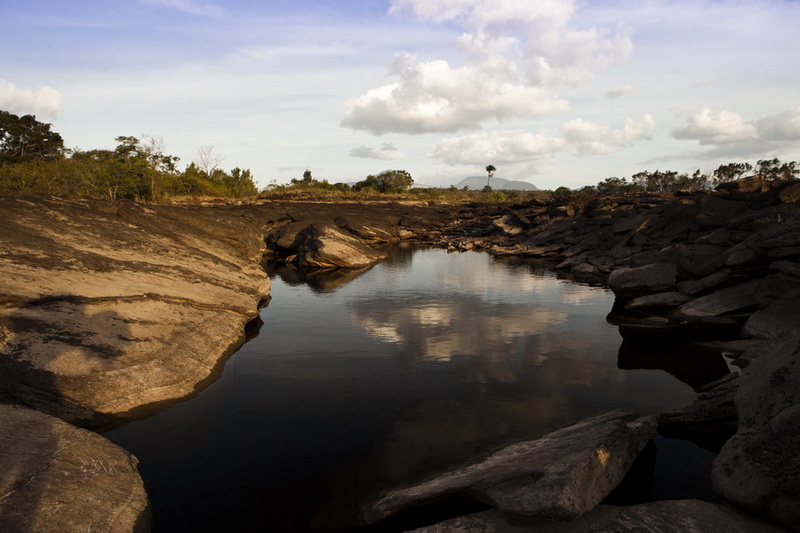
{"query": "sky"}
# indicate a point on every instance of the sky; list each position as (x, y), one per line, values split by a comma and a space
(552, 92)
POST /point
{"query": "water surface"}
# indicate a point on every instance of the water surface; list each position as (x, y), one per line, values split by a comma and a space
(367, 380)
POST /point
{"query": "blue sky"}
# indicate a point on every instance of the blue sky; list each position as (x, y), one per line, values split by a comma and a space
(554, 92)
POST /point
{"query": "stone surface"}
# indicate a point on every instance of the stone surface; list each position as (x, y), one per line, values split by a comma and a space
(640, 281)
(780, 319)
(325, 245)
(670, 516)
(735, 299)
(758, 468)
(56, 477)
(559, 476)
(111, 306)
(661, 299)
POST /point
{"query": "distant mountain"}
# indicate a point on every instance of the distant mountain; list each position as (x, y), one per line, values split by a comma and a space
(477, 183)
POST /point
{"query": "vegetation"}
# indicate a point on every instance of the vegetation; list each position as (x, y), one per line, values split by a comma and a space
(33, 160)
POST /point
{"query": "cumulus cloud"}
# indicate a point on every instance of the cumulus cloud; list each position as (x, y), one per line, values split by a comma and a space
(592, 139)
(709, 126)
(502, 147)
(784, 126)
(44, 103)
(514, 52)
(386, 152)
(435, 97)
(622, 90)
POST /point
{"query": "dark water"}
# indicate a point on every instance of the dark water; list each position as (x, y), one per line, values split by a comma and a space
(380, 378)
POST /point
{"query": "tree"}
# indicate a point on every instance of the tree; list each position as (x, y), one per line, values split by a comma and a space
(490, 170)
(731, 172)
(25, 138)
(388, 181)
(208, 161)
(307, 176)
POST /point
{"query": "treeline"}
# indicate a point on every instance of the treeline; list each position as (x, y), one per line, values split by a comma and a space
(33, 160)
(766, 170)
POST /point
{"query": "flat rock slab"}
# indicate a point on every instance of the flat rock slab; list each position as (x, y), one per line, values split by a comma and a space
(106, 307)
(56, 477)
(758, 469)
(735, 299)
(643, 280)
(669, 516)
(557, 477)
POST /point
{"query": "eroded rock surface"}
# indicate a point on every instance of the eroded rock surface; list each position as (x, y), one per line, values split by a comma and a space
(57, 477)
(559, 476)
(108, 307)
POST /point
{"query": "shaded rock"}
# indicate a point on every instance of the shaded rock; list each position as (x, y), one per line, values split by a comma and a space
(509, 224)
(640, 281)
(710, 282)
(714, 405)
(758, 468)
(778, 320)
(670, 516)
(788, 267)
(57, 477)
(661, 299)
(559, 476)
(738, 298)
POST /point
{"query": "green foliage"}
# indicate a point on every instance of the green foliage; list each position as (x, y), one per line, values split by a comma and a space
(32, 160)
(26, 139)
(388, 181)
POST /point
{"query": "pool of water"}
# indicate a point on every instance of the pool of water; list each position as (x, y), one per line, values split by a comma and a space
(363, 381)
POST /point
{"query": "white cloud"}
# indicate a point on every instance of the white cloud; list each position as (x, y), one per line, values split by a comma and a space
(622, 90)
(502, 147)
(513, 50)
(193, 7)
(44, 103)
(709, 126)
(784, 126)
(386, 152)
(591, 139)
(435, 97)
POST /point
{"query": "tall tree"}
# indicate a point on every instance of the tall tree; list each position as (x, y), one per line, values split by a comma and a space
(25, 138)
(490, 170)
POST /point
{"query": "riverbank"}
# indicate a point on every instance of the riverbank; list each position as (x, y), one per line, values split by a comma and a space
(113, 309)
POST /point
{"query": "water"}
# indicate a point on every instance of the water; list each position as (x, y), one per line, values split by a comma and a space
(368, 380)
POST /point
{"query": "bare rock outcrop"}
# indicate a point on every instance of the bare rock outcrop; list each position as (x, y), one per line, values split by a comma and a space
(109, 307)
(759, 468)
(557, 477)
(57, 477)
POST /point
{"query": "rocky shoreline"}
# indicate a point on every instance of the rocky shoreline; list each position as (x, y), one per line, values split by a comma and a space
(113, 309)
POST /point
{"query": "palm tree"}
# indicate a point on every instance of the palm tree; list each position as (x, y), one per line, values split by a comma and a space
(490, 169)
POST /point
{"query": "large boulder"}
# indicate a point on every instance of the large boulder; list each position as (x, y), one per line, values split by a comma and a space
(643, 280)
(557, 477)
(113, 306)
(320, 244)
(57, 477)
(759, 467)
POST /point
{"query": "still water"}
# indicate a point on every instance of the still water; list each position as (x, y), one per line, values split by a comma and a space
(372, 379)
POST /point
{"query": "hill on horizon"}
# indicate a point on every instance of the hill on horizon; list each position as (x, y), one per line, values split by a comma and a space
(477, 183)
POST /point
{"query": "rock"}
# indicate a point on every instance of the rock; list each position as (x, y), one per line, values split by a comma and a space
(670, 516)
(714, 405)
(661, 299)
(735, 299)
(778, 320)
(112, 306)
(710, 282)
(788, 267)
(57, 477)
(509, 224)
(559, 476)
(640, 281)
(758, 468)
(324, 245)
